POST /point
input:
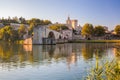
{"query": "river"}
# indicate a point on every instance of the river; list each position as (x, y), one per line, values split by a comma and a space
(70, 61)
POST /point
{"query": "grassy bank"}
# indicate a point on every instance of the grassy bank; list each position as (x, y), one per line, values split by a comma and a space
(19, 42)
(11, 42)
(94, 41)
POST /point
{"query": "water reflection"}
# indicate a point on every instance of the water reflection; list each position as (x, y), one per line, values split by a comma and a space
(12, 55)
(116, 52)
(91, 50)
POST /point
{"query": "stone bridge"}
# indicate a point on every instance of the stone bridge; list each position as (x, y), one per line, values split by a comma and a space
(44, 35)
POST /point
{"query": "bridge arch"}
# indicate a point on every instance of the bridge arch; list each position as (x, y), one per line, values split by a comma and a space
(51, 35)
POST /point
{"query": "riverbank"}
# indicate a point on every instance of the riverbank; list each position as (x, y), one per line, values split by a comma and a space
(72, 41)
(109, 70)
(94, 41)
(13, 42)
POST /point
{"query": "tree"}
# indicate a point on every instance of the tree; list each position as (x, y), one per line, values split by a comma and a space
(87, 30)
(22, 20)
(14, 35)
(117, 29)
(37, 21)
(99, 31)
(30, 29)
(2, 32)
(7, 33)
(46, 22)
(21, 30)
(58, 27)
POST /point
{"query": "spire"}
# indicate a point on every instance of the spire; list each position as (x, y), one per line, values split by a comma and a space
(68, 17)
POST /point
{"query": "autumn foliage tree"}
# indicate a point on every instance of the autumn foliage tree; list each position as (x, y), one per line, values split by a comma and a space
(87, 30)
(37, 21)
(22, 30)
(58, 27)
(99, 31)
(117, 29)
(8, 34)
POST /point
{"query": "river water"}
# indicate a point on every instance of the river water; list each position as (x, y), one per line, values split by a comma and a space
(70, 61)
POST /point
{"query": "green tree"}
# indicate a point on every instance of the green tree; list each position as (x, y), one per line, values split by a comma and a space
(117, 29)
(99, 31)
(87, 30)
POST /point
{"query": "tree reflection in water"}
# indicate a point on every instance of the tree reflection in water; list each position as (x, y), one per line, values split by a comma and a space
(13, 55)
(97, 49)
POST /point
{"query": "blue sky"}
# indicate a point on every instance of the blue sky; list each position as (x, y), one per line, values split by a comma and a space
(97, 12)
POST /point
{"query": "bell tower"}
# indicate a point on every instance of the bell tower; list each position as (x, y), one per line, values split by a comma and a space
(69, 23)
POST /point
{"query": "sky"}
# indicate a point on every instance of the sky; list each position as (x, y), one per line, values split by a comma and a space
(96, 12)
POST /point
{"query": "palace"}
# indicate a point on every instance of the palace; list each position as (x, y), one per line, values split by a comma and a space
(73, 24)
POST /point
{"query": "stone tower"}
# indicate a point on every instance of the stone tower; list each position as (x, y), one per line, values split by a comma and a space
(68, 22)
(72, 24)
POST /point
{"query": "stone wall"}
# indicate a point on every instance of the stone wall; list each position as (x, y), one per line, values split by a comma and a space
(28, 41)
